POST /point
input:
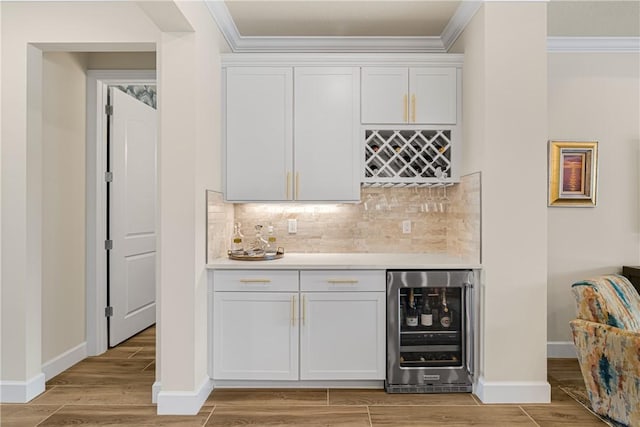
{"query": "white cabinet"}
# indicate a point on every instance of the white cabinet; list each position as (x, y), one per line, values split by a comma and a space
(326, 133)
(342, 335)
(330, 326)
(407, 95)
(255, 325)
(268, 120)
(259, 133)
(256, 335)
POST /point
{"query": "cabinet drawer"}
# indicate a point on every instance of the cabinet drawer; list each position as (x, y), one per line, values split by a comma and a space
(342, 280)
(255, 280)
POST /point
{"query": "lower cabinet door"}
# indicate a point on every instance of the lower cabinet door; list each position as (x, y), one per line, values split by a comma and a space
(255, 335)
(342, 335)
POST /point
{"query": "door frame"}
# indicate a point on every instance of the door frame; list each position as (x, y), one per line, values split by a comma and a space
(96, 202)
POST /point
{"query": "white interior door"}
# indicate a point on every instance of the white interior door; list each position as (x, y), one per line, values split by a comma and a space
(132, 216)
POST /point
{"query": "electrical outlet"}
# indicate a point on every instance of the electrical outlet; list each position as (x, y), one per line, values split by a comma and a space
(406, 226)
(292, 226)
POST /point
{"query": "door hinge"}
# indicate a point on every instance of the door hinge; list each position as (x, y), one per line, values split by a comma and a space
(108, 176)
(108, 244)
(108, 110)
(108, 311)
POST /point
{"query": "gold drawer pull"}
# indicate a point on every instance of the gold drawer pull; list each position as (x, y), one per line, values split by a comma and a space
(288, 184)
(255, 281)
(342, 281)
(405, 113)
(304, 310)
(413, 108)
(293, 310)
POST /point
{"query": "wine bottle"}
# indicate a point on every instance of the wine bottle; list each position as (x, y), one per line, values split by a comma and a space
(445, 312)
(412, 311)
(426, 316)
(435, 307)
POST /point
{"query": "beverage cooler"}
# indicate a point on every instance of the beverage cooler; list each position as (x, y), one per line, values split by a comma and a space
(429, 331)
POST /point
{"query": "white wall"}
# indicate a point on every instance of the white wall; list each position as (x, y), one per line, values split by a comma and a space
(103, 25)
(63, 202)
(190, 162)
(121, 61)
(594, 97)
(505, 134)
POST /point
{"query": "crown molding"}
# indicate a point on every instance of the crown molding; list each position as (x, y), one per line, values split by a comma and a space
(239, 43)
(340, 44)
(593, 44)
(222, 17)
(341, 59)
(461, 18)
(458, 22)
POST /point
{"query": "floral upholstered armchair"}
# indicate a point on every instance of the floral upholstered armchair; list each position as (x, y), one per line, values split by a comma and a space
(607, 338)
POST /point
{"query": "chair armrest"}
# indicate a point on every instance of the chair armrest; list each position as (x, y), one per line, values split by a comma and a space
(609, 359)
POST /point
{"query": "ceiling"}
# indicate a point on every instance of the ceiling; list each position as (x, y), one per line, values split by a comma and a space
(341, 18)
(409, 25)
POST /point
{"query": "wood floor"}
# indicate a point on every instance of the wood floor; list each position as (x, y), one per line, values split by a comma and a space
(115, 389)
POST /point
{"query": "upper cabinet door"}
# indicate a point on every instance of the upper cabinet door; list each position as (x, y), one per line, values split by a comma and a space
(326, 132)
(432, 95)
(259, 132)
(385, 95)
(401, 95)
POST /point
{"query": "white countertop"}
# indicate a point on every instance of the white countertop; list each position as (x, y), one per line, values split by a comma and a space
(350, 261)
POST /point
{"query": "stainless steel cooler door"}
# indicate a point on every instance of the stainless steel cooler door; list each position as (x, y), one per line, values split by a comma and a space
(429, 358)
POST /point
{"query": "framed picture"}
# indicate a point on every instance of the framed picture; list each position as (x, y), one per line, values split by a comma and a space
(573, 173)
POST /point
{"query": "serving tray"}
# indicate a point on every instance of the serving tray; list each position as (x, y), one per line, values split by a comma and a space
(256, 256)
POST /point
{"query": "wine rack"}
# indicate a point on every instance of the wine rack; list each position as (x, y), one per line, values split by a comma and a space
(416, 156)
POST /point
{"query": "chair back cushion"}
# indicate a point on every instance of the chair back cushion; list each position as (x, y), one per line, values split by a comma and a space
(609, 299)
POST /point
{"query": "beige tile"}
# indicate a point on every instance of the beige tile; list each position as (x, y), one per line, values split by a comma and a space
(563, 415)
(449, 416)
(338, 416)
(106, 371)
(559, 397)
(268, 397)
(145, 353)
(97, 395)
(25, 415)
(122, 415)
(379, 397)
(121, 352)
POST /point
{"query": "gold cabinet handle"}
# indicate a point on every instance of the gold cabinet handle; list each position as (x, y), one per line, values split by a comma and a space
(293, 310)
(304, 309)
(413, 108)
(297, 184)
(288, 184)
(342, 281)
(405, 106)
(255, 281)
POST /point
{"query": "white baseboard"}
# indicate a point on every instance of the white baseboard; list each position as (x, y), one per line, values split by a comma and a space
(561, 350)
(64, 361)
(513, 391)
(21, 391)
(155, 389)
(184, 402)
(369, 384)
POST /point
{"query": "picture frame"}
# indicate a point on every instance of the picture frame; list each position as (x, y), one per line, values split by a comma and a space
(573, 173)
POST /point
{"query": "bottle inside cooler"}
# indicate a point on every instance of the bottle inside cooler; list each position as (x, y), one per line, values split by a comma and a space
(430, 332)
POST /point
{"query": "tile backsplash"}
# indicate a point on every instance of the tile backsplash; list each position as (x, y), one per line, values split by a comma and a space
(219, 225)
(443, 220)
